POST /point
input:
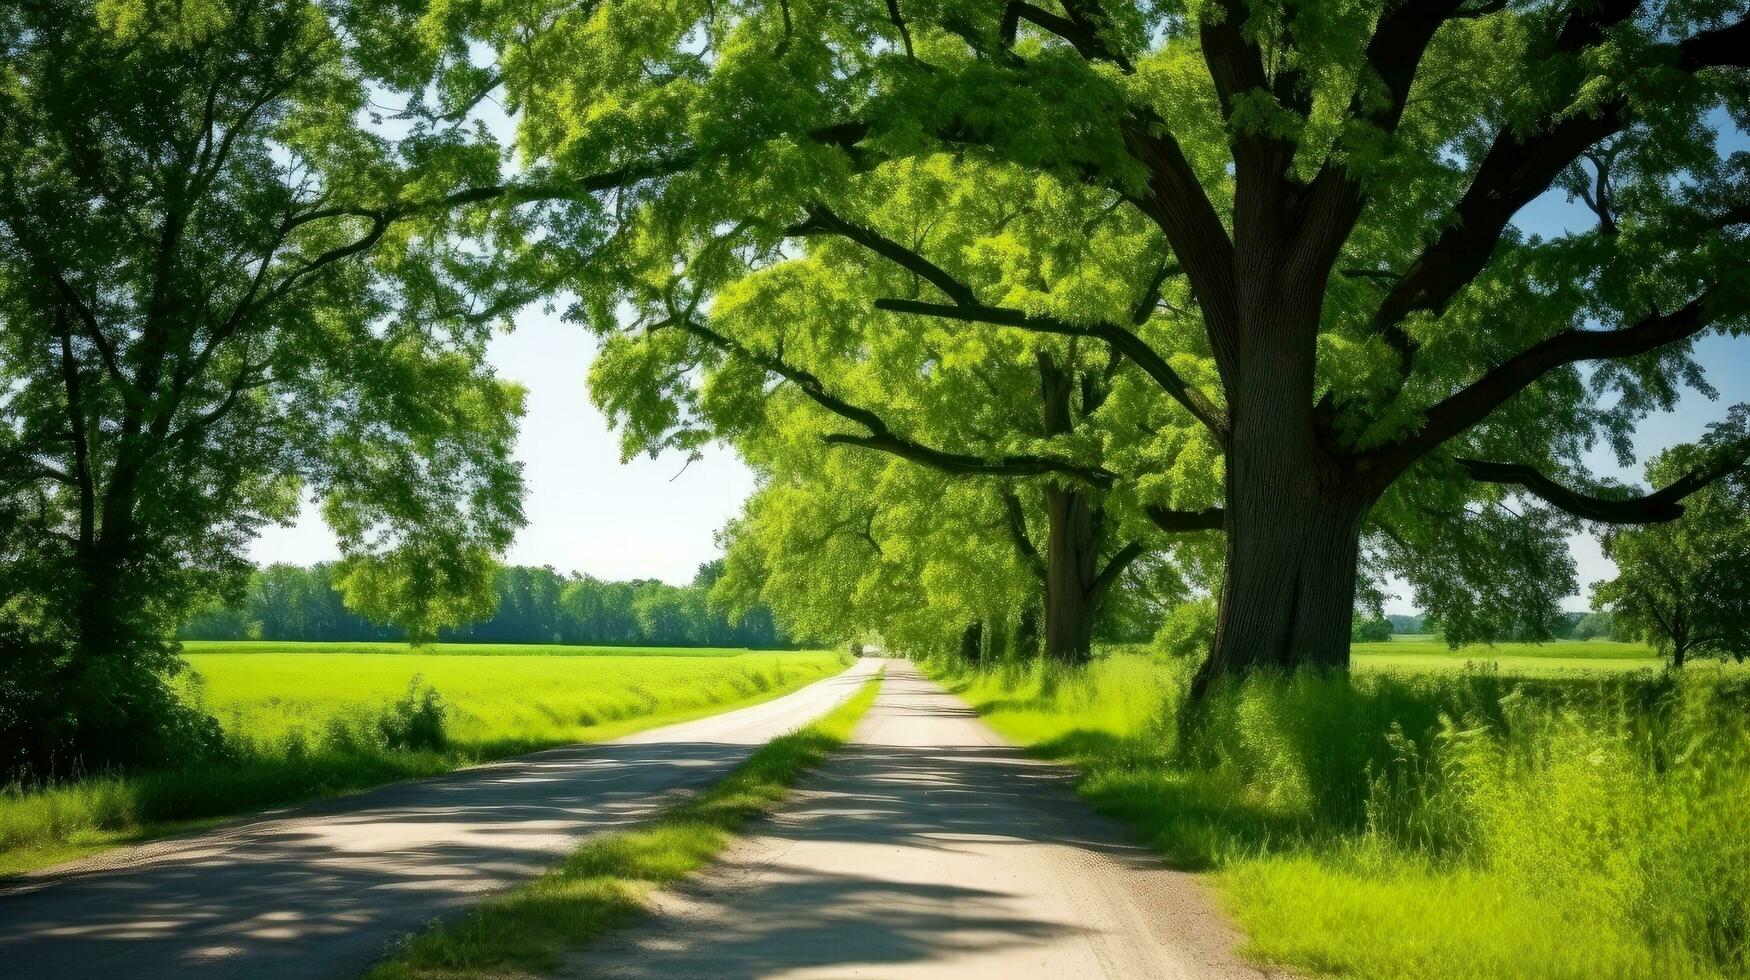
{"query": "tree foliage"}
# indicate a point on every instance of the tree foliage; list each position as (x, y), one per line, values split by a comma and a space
(1685, 585)
(221, 289)
(525, 605)
(1371, 630)
(1279, 234)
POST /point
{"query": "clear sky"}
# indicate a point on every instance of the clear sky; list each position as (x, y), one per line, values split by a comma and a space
(656, 518)
(586, 512)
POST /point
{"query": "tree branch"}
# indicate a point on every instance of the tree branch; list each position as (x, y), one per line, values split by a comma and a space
(882, 438)
(1151, 297)
(822, 220)
(966, 307)
(893, 14)
(961, 464)
(1517, 169)
(1470, 405)
(1081, 29)
(1653, 508)
(1115, 567)
(1132, 346)
(1179, 521)
(1017, 521)
(1722, 47)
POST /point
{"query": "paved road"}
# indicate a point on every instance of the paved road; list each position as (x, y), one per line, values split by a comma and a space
(319, 891)
(929, 849)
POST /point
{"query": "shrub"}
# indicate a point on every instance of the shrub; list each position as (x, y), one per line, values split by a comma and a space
(1371, 630)
(416, 721)
(60, 714)
(1189, 630)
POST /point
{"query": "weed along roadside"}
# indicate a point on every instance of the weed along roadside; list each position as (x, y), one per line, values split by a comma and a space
(1437, 825)
(606, 880)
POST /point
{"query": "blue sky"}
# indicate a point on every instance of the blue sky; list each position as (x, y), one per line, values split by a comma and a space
(586, 512)
(656, 518)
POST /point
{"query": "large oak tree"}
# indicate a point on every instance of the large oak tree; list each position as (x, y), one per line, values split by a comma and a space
(1376, 354)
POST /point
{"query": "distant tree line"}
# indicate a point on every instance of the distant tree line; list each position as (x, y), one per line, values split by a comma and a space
(1563, 626)
(534, 605)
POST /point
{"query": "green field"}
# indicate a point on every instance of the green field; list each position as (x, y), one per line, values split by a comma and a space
(497, 701)
(454, 649)
(1441, 823)
(303, 725)
(1424, 652)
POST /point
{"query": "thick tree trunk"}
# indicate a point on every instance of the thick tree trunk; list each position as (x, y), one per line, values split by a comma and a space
(100, 604)
(1072, 567)
(1293, 538)
(1288, 597)
(972, 642)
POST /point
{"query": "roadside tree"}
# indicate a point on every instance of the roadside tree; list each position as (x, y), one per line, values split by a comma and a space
(1355, 359)
(219, 291)
(1685, 585)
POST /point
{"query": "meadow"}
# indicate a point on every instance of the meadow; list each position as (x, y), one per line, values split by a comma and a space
(304, 725)
(1423, 652)
(1426, 822)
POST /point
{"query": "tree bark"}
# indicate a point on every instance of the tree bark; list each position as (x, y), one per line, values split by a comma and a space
(1072, 558)
(1294, 512)
(1288, 596)
(972, 642)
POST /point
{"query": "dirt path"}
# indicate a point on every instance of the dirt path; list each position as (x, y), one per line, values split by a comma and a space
(319, 891)
(928, 848)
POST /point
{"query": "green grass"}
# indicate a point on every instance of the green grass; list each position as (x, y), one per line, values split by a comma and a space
(307, 725)
(1523, 659)
(452, 649)
(1521, 666)
(606, 881)
(1427, 824)
(497, 703)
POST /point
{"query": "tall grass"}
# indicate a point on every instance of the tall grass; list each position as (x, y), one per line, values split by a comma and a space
(1457, 825)
(306, 726)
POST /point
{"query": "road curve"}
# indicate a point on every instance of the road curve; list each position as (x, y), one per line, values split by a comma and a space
(928, 848)
(321, 890)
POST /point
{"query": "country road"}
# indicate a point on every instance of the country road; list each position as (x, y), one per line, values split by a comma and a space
(320, 890)
(928, 848)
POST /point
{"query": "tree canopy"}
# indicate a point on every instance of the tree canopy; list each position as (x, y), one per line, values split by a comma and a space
(1684, 585)
(1287, 228)
(223, 288)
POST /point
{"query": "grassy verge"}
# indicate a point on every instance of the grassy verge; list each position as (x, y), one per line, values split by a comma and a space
(313, 725)
(1467, 824)
(605, 881)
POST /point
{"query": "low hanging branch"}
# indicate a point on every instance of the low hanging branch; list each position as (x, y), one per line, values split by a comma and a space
(1180, 521)
(967, 307)
(1470, 405)
(882, 438)
(1657, 507)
